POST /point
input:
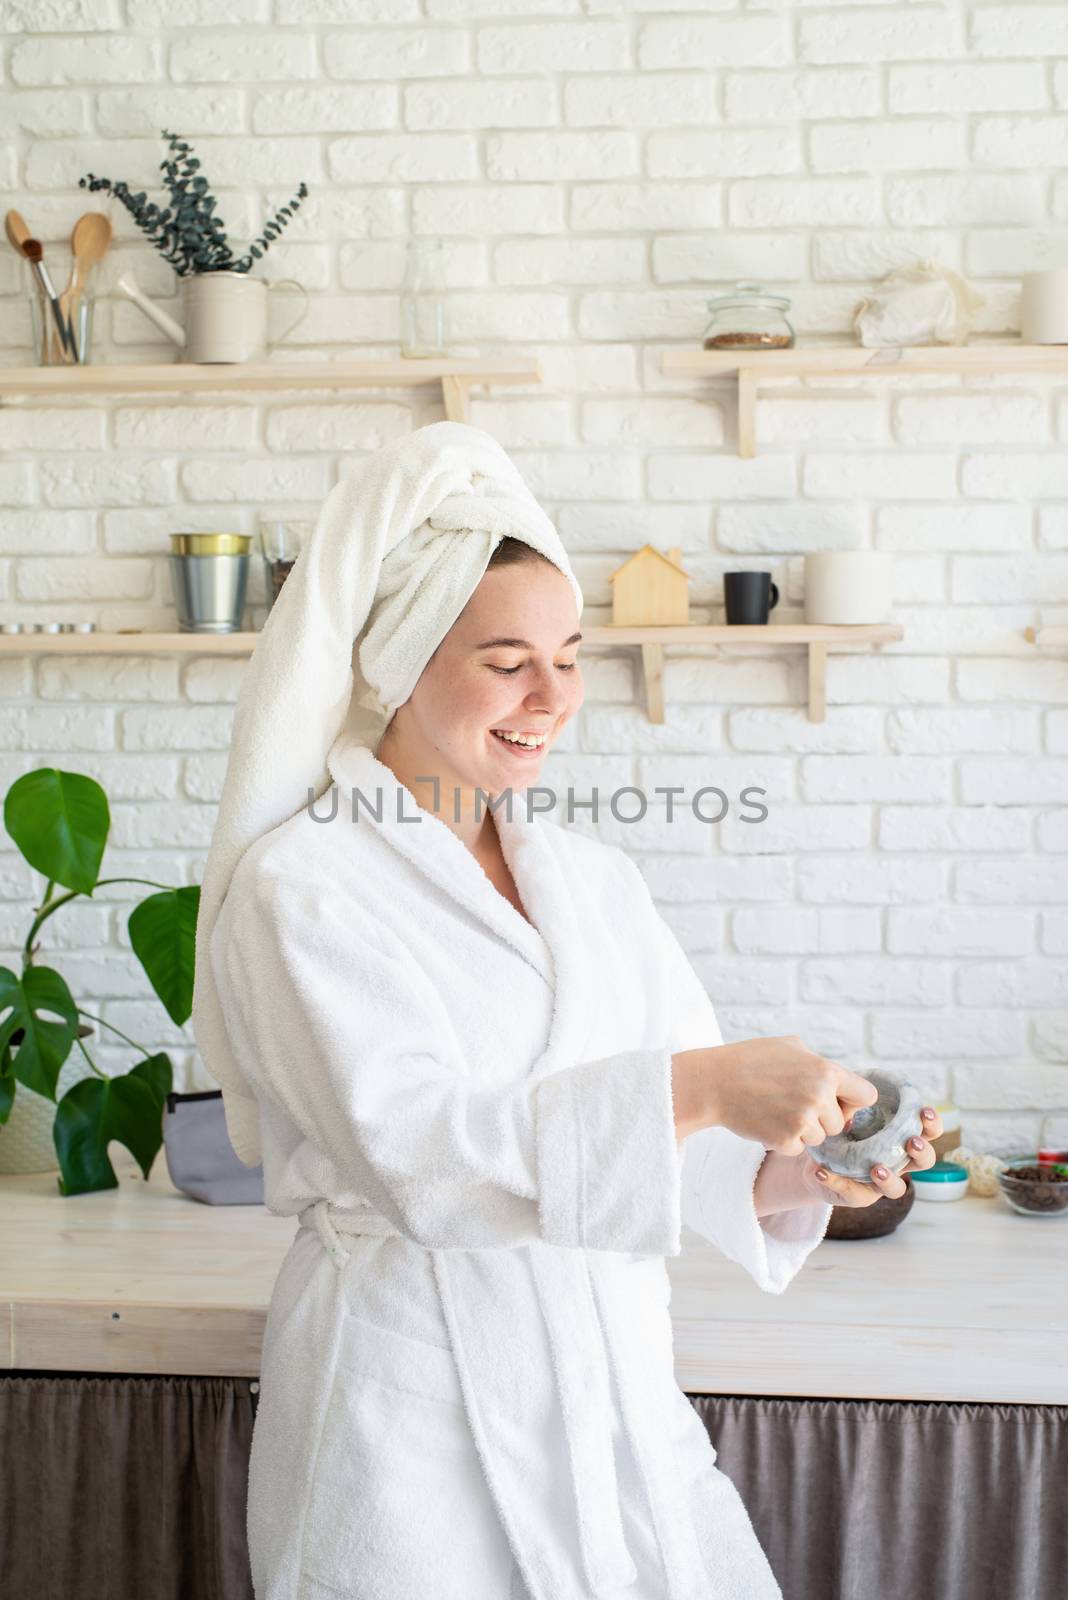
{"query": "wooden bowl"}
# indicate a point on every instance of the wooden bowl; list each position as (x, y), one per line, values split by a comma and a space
(869, 1222)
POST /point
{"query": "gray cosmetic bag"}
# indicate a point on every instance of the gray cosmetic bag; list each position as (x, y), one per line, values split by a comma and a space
(200, 1157)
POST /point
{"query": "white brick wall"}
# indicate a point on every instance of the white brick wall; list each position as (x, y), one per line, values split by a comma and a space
(598, 169)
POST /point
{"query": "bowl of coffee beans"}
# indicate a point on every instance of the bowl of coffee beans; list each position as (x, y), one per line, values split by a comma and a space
(1034, 1188)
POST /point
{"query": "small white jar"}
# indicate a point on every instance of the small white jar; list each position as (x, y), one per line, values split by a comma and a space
(943, 1182)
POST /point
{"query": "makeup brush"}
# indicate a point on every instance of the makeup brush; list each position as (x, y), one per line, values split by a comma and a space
(17, 231)
(33, 250)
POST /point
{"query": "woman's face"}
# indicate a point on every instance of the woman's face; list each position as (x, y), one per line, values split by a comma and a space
(478, 685)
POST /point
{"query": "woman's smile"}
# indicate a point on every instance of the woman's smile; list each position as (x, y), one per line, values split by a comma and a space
(516, 747)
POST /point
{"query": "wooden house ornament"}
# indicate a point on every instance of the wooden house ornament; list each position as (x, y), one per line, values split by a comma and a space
(650, 589)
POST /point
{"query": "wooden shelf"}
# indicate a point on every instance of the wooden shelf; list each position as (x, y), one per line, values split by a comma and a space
(830, 633)
(817, 638)
(750, 367)
(129, 644)
(457, 375)
(1052, 636)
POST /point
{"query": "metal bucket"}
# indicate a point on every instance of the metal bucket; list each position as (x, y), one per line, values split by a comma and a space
(209, 592)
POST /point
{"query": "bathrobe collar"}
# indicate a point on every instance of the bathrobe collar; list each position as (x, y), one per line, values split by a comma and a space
(431, 846)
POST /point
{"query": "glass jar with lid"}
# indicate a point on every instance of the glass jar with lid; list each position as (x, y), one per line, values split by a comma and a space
(749, 316)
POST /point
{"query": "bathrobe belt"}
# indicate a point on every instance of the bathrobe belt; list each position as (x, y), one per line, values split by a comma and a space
(511, 1413)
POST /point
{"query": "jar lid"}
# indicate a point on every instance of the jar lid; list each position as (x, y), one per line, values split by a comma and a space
(749, 294)
(941, 1172)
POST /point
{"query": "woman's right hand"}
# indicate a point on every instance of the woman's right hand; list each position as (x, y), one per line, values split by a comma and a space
(776, 1091)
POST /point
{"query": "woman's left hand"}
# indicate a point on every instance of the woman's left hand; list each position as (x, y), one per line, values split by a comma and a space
(839, 1191)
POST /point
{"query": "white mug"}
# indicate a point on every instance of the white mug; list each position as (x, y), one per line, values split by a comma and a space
(1044, 306)
(848, 586)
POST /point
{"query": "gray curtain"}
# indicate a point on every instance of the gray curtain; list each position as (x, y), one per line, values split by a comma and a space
(134, 1488)
(900, 1500)
(124, 1488)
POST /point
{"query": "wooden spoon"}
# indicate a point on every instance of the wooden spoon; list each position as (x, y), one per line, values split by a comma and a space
(89, 241)
(16, 229)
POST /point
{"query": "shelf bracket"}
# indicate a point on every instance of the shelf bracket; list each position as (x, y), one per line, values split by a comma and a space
(456, 392)
(817, 681)
(653, 669)
(1048, 635)
(747, 394)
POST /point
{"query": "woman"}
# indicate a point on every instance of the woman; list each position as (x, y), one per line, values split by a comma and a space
(491, 1086)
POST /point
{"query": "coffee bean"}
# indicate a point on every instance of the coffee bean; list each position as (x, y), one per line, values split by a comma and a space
(1037, 1187)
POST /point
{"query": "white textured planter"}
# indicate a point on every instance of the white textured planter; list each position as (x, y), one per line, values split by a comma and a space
(26, 1143)
(848, 586)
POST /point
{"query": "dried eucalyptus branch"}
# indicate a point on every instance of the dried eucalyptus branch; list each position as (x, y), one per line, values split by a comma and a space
(188, 233)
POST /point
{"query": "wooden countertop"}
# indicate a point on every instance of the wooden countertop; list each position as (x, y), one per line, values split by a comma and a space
(963, 1302)
(141, 1278)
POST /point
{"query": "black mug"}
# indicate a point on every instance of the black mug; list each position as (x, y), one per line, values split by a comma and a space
(749, 596)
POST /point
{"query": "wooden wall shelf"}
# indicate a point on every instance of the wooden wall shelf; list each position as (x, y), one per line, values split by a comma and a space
(818, 638)
(457, 375)
(129, 643)
(751, 367)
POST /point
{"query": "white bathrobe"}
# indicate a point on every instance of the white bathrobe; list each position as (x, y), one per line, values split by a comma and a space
(467, 1380)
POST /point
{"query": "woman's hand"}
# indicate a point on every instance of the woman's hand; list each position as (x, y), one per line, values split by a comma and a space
(777, 1091)
(838, 1191)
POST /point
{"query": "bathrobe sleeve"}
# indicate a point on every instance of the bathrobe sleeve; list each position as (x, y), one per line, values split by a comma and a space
(335, 1026)
(719, 1168)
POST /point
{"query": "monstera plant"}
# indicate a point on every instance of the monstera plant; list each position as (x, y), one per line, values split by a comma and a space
(60, 823)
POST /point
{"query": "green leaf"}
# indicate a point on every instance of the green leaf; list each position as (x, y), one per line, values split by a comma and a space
(8, 1085)
(163, 934)
(158, 1073)
(43, 1007)
(60, 822)
(96, 1110)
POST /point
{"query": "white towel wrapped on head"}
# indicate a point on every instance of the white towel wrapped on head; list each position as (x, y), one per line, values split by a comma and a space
(400, 545)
